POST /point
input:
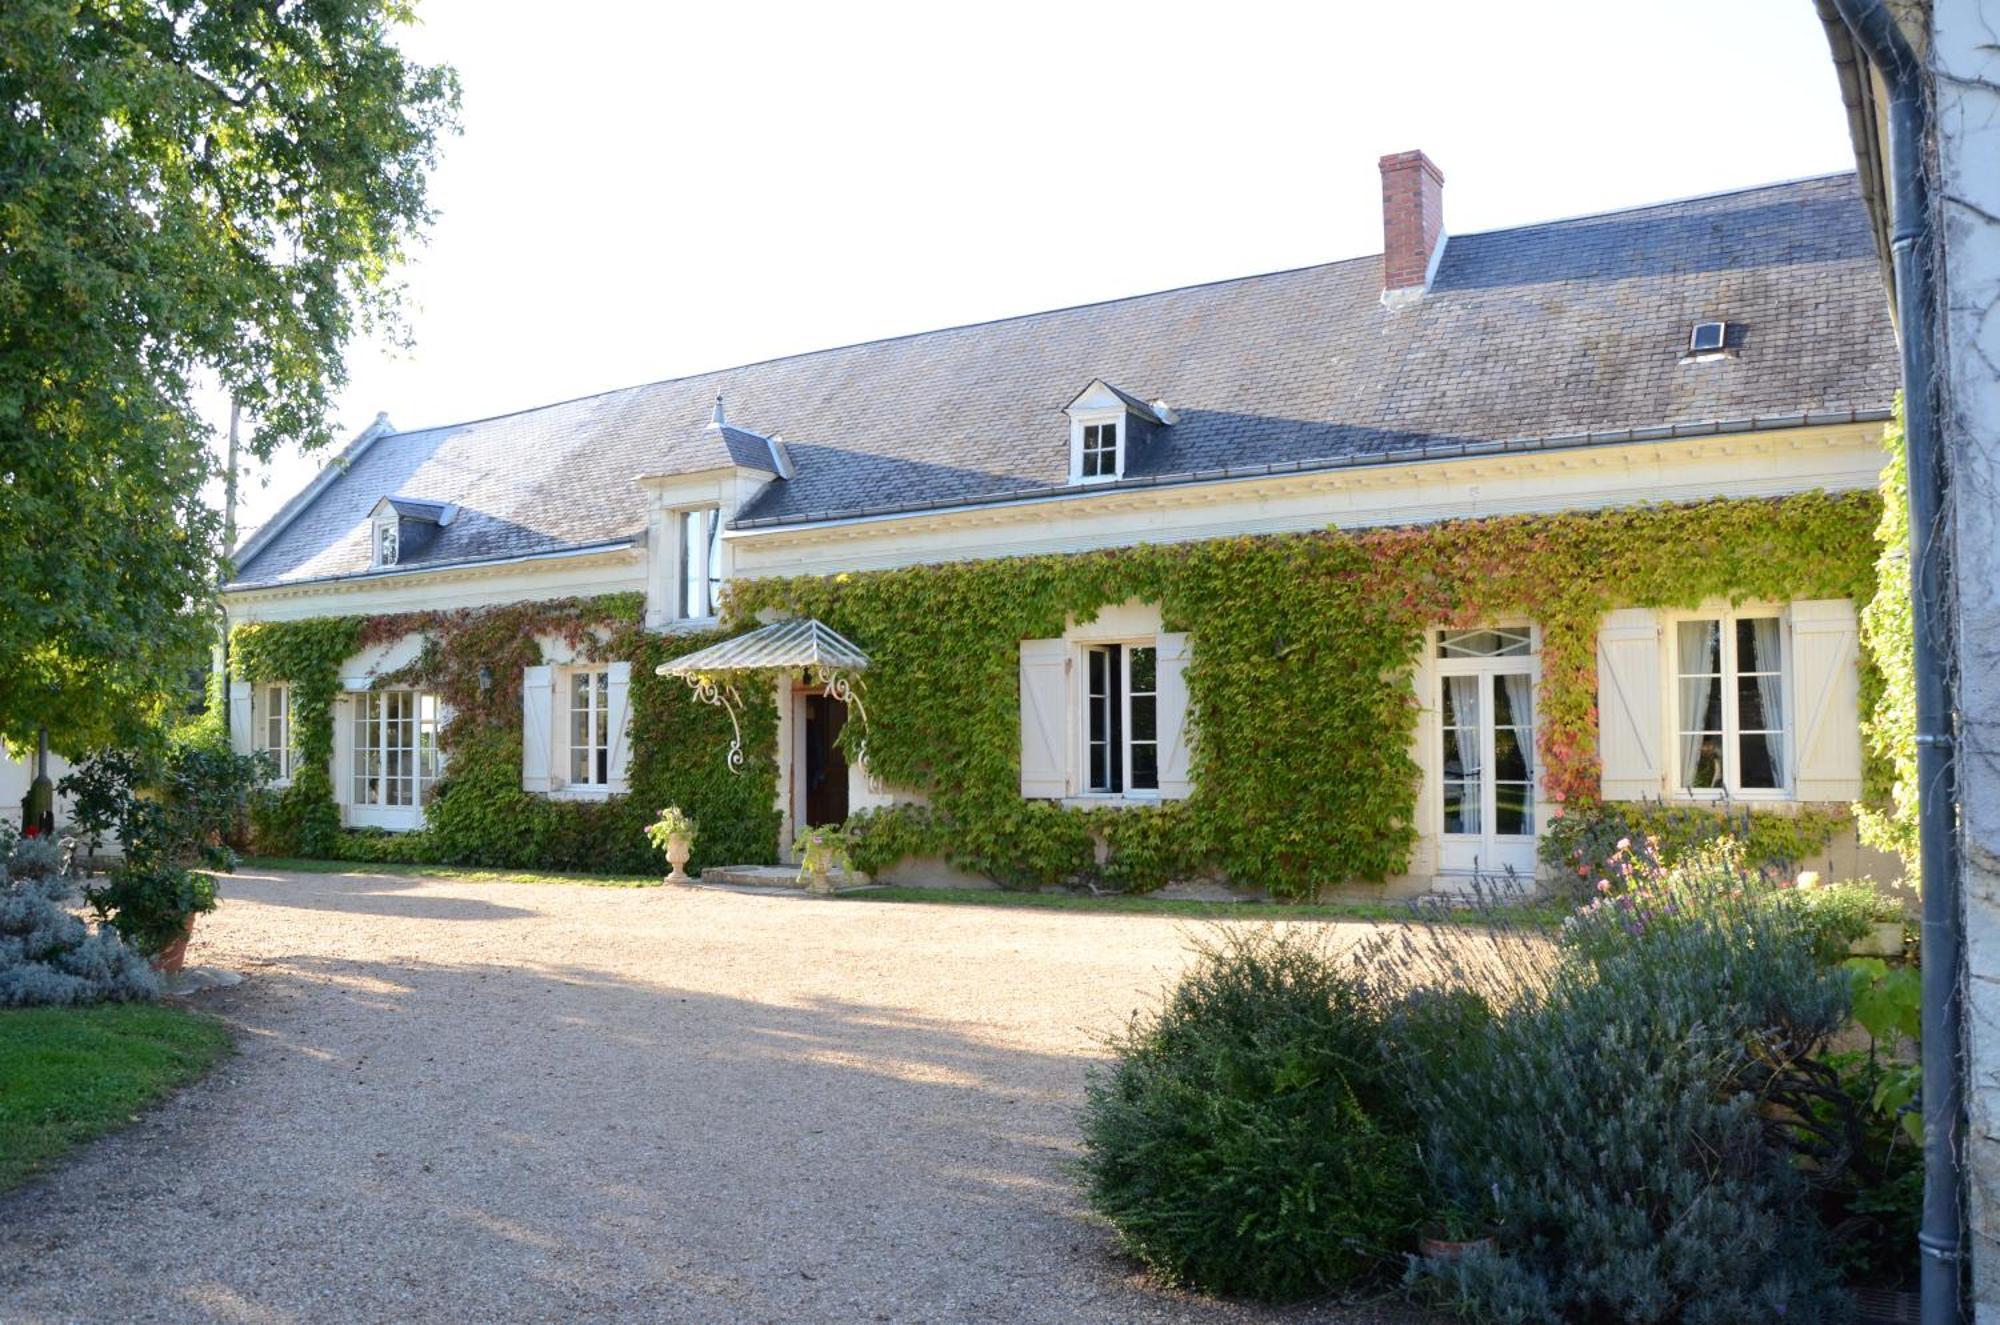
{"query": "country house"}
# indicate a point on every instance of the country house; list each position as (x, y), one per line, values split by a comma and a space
(1359, 573)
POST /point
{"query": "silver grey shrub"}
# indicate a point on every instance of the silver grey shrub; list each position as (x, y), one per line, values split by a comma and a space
(49, 955)
(1624, 1124)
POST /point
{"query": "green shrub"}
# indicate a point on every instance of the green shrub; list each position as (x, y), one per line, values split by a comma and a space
(1582, 843)
(1636, 1121)
(1249, 1139)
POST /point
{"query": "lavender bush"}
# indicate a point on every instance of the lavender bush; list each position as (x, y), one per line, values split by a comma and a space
(49, 955)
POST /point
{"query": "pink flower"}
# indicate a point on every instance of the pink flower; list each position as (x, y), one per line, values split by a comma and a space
(1604, 885)
(1624, 844)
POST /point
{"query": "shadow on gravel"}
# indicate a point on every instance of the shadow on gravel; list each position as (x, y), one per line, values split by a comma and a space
(376, 894)
(549, 1141)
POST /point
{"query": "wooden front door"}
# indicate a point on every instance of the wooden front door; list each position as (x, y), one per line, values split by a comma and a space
(826, 766)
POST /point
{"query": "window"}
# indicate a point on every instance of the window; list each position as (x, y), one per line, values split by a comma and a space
(1730, 679)
(1100, 450)
(1121, 701)
(387, 541)
(274, 731)
(589, 728)
(395, 747)
(701, 563)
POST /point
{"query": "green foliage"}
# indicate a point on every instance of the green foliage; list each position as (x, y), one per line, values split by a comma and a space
(1887, 818)
(170, 812)
(195, 192)
(76, 1073)
(478, 814)
(306, 654)
(1877, 1205)
(1298, 681)
(1627, 1124)
(1580, 846)
(672, 823)
(1839, 915)
(1248, 1139)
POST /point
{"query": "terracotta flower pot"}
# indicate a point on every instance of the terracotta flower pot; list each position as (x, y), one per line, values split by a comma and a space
(170, 959)
(1444, 1249)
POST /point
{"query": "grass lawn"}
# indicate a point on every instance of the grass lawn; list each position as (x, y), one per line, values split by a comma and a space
(75, 1073)
(297, 865)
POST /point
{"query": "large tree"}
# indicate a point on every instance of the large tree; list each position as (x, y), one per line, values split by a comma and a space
(192, 193)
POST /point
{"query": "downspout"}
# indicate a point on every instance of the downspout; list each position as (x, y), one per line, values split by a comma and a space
(1941, 1241)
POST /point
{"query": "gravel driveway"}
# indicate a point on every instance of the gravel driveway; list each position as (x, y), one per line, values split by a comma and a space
(503, 1102)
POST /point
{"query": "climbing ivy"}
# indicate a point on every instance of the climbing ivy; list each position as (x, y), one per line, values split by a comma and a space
(473, 660)
(1888, 817)
(1299, 678)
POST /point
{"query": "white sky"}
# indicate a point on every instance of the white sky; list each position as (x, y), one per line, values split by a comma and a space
(644, 191)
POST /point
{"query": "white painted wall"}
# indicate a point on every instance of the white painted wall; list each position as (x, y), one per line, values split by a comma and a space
(15, 777)
(1965, 54)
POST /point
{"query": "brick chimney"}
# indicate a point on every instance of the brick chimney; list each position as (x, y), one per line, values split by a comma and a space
(1412, 223)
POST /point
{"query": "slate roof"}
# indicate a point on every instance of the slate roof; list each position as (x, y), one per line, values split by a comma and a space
(1554, 330)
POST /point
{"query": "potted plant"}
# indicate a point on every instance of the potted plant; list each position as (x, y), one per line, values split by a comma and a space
(168, 810)
(825, 850)
(1454, 1235)
(674, 833)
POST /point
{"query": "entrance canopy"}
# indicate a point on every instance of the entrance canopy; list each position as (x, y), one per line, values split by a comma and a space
(825, 655)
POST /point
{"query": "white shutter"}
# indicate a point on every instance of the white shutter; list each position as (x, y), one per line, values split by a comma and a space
(242, 732)
(1631, 706)
(1826, 707)
(538, 695)
(1173, 717)
(618, 691)
(1044, 718)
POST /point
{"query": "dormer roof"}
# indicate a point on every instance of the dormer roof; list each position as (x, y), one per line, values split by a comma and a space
(1099, 388)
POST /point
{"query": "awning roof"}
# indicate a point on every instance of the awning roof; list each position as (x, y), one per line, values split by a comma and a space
(781, 645)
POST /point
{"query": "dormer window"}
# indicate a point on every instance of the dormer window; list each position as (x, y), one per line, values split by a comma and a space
(1107, 431)
(1100, 450)
(388, 536)
(403, 529)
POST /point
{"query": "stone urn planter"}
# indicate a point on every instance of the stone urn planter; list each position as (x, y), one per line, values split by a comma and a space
(678, 848)
(170, 959)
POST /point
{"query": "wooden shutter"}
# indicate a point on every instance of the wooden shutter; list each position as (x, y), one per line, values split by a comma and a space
(1826, 705)
(242, 718)
(618, 692)
(538, 696)
(1044, 718)
(1173, 717)
(1631, 706)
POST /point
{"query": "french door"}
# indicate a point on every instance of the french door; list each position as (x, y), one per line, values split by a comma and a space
(1486, 769)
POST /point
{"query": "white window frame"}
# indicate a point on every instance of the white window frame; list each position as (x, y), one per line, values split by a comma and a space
(1494, 851)
(375, 725)
(1080, 424)
(1080, 671)
(598, 718)
(274, 703)
(386, 540)
(1670, 671)
(700, 566)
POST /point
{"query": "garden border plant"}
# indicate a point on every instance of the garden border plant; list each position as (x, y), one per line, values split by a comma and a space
(1302, 647)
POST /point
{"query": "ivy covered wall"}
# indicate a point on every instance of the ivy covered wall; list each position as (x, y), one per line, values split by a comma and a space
(473, 659)
(1299, 677)
(1299, 683)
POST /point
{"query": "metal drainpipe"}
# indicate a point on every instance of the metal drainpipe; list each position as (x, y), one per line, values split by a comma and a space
(1942, 1238)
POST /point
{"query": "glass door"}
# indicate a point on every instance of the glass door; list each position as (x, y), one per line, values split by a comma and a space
(1486, 769)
